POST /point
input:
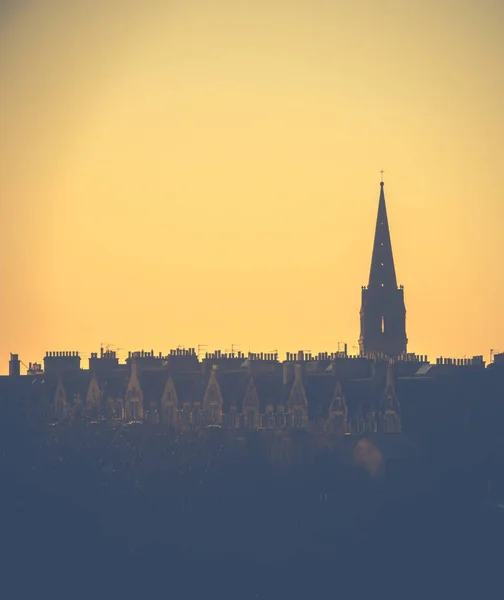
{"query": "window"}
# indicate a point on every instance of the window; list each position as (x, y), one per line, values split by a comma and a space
(186, 413)
(170, 415)
(250, 421)
(134, 410)
(298, 418)
(196, 414)
(383, 324)
(339, 425)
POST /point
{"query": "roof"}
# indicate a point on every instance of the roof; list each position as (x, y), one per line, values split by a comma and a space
(20, 395)
(233, 385)
(152, 384)
(382, 272)
(360, 395)
(75, 383)
(271, 389)
(190, 387)
(319, 390)
(424, 369)
(114, 383)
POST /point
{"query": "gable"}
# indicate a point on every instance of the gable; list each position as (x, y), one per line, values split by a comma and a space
(297, 396)
(389, 400)
(212, 393)
(60, 394)
(251, 399)
(338, 403)
(169, 397)
(134, 391)
(93, 394)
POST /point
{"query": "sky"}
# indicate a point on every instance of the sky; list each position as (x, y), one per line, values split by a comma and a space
(193, 173)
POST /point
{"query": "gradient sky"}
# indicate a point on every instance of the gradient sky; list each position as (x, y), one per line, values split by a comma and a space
(207, 172)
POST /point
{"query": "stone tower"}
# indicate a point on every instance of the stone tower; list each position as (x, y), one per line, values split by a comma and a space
(383, 313)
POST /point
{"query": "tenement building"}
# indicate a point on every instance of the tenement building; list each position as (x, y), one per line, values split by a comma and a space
(383, 389)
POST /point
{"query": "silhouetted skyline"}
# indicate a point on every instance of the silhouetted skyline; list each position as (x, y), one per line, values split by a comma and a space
(172, 170)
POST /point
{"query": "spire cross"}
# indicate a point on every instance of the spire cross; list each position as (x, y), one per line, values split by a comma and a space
(382, 171)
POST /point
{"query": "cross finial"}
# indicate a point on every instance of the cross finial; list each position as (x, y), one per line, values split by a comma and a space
(382, 171)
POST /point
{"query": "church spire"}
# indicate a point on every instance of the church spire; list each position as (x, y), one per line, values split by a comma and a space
(383, 313)
(382, 272)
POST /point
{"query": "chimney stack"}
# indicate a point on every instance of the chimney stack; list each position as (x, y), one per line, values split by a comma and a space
(14, 366)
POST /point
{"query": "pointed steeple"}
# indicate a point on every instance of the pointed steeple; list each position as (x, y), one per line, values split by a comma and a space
(382, 273)
(383, 313)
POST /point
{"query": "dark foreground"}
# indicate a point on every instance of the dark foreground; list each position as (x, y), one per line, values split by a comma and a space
(100, 514)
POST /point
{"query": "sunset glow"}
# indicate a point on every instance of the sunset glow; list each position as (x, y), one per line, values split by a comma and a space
(207, 173)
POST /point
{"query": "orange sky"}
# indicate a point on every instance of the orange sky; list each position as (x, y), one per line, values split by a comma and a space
(192, 172)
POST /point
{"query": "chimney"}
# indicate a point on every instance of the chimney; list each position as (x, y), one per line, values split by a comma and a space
(14, 366)
(134, 372)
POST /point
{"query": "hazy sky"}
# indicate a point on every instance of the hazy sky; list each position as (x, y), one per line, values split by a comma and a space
(207, 172)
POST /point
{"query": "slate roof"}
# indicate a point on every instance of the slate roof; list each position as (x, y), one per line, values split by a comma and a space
(271, 390)
(190, 387)
(360, 396)
(424, 369)
(319, 390)
(152, 384)
(20, 396)
(406, 368)
(114, 384)
(233, 385)
(382, 270)
(74, 383)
